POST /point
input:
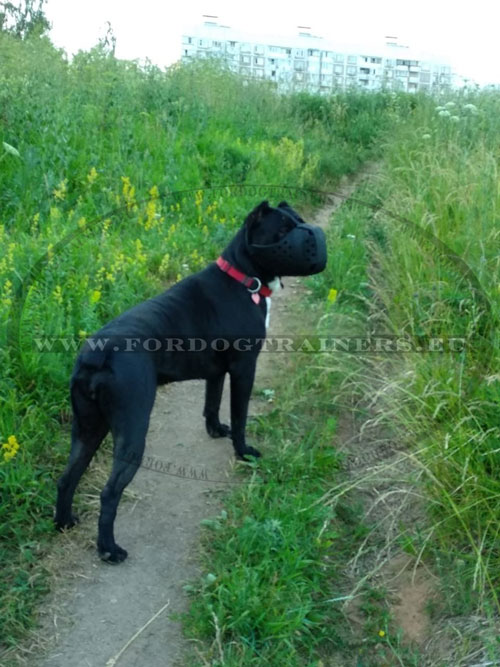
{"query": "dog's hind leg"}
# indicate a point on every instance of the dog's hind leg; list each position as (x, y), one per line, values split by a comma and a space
(88, 431)
(134, 395)
(213, 394)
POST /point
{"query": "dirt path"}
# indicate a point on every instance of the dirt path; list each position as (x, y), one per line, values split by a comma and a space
(95, 608)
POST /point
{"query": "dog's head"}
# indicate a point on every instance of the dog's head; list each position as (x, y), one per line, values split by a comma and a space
(282, 243)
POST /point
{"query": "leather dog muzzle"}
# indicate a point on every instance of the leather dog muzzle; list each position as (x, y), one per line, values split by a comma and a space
(301, 252)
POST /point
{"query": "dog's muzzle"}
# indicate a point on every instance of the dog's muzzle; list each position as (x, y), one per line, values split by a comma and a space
(301, 252)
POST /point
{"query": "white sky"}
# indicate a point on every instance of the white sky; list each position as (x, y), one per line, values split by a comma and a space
(466, 34)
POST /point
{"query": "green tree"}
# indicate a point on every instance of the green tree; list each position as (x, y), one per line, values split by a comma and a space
(24, 18)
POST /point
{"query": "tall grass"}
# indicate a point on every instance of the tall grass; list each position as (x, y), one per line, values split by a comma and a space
(91, 149)
(441, 172)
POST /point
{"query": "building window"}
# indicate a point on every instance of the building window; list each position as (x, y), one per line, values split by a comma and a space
(352, 59)
(288, 52)
(364, 70)
(339, 69)
(258, 61)
(339, 58)
(351, 70)
(258, 48)
(245, 60)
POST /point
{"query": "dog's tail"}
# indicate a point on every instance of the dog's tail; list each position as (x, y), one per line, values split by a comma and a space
(88, 390)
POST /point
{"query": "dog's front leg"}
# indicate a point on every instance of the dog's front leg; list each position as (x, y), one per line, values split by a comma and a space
(213, 395)
(241, 388)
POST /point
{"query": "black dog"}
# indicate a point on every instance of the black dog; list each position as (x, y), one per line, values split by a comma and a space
(199, 328)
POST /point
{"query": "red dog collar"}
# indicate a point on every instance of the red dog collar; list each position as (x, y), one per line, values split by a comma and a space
(253, 284)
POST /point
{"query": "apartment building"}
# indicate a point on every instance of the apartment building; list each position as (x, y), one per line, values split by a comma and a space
(308, 62)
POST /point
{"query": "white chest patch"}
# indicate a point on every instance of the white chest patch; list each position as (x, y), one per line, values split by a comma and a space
(268, 312)
(275, 286)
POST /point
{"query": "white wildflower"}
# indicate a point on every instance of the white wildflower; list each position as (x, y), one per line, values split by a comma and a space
(426, 137)
(449, 105)
(472, 108)
(444, 114)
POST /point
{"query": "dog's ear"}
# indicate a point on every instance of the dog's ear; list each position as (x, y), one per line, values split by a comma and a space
(262, 209)
(283, 204)
(254, 217)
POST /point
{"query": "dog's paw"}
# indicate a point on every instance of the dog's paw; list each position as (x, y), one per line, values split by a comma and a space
(113, 555)
(218, 430)
(247, 452)
(66, 523)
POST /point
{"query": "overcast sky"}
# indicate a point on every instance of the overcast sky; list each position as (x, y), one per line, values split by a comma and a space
(467, 34)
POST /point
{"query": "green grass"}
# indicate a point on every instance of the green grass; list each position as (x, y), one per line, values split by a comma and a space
(442, 174)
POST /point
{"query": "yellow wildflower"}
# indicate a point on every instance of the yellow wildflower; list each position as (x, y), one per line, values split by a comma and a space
(92, 176)
(57, 294)
(7, 293)
(164, 264)
(95, 296)
(128, 192)
(332, 295)
(10, 448)
(150, 214)
(61, 191)
(55, 214)
(50, 253)
(105, 227)
(141, 256)
(381, 633)
(82, 223)
(154, 192)
(34, 223)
